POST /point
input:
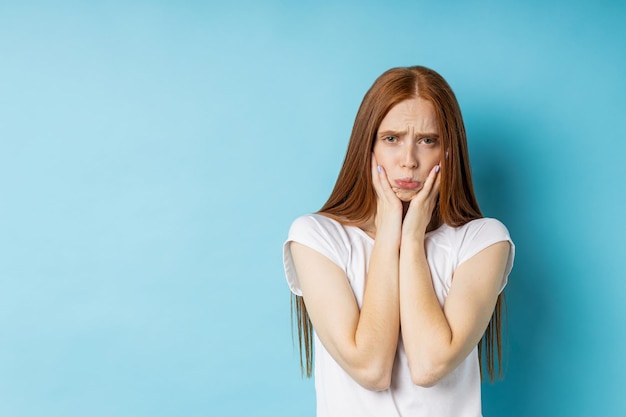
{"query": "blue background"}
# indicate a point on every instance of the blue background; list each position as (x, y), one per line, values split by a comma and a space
(154, 153)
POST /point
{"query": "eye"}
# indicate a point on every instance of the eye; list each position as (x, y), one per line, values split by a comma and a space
(390, 139)
(429, 141)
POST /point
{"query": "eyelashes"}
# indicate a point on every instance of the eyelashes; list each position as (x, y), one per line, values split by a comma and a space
(425, 141)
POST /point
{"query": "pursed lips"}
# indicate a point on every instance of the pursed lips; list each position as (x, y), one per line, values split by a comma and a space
(407, 183)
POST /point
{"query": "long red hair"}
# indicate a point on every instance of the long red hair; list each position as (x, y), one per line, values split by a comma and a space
(353, 200)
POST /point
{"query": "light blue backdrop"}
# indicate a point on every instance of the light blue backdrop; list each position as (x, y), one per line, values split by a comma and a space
(154, 153)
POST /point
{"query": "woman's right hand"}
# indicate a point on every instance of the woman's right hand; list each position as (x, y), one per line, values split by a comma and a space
(388, 219)
(362, 339)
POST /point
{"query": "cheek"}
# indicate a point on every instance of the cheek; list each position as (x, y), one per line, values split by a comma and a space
(431, 160)
(381, 157)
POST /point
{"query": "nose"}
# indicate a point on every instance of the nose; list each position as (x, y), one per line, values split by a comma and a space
(409, 159)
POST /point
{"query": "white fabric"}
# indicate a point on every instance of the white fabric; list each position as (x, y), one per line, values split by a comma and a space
(338, 395)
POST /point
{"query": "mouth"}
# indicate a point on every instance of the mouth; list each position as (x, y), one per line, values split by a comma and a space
(407, 184)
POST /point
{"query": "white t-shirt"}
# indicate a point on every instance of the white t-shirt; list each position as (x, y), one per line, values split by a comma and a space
(338, 395)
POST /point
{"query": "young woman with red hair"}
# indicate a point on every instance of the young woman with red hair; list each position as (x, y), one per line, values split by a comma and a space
(398, 277)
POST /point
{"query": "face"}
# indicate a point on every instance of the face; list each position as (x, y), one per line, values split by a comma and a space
(407, 145)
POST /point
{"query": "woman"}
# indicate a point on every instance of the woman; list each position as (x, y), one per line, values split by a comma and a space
(399, 274)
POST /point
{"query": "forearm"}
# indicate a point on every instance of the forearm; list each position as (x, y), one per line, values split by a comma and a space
(426, 332)
(376, 335)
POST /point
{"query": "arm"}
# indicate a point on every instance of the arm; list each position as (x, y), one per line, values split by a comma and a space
(363, 342)
(438, 339)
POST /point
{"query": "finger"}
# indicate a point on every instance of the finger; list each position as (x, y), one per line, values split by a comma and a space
(437, 184)
(377, 180)
(384, 181)
(376, 176)
(381, 182)
(433, 175)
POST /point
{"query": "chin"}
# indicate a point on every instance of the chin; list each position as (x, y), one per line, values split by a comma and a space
(406, 195)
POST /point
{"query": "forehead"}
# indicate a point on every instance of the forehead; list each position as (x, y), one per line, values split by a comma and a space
(414, 113)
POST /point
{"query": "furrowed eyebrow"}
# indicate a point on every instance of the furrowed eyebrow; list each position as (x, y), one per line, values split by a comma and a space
(390, 133)
(387, 133)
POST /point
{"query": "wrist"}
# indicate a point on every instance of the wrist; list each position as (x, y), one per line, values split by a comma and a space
(414, 230)
(413, 238)
(389, 233)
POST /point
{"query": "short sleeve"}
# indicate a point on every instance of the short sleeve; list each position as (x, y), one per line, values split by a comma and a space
(318, 233)
(482, 233)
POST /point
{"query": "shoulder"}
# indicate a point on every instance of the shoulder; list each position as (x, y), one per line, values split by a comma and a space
(322, 233)
(484, 227)
(313, 221)
(479, 234)
(478, 227)
(326, 236)
(329, 237)
(472, 237)
(316, 225)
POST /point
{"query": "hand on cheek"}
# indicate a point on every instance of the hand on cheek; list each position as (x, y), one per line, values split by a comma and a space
(385, 193)
(422, 204)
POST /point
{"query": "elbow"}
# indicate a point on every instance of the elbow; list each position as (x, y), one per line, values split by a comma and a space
(375, 379)
(427, 375)
(379, 384)
(425, 380)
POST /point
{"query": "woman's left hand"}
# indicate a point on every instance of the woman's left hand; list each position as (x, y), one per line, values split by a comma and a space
(421, 206)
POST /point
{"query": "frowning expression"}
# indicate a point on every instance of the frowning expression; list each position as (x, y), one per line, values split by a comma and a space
(407, 145)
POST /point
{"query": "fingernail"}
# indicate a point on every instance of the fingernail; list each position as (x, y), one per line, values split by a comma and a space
(446, 154)
(379, 168)
(437, 168)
